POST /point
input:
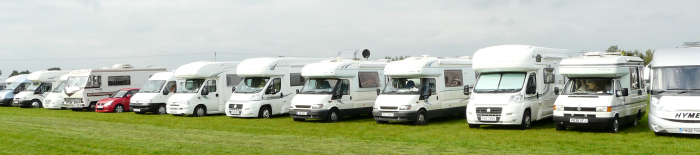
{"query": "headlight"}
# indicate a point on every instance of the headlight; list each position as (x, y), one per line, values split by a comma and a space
(603, 109)
(556, 107)
(405, 107)
(655, 103)
(516, 98)
(375, 107)
(108, 103)
(656, 128)
(185, 102)
(256, 97)
(317, 106)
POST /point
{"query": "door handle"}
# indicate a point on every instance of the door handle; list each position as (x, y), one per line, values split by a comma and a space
(350, 97)
(437, 97)
(217, 95)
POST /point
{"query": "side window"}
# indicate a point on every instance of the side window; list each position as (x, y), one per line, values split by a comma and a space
(211, 85)
(634, 78)
(295, 79)
(432, 85)
(277, 85)
(618, 87)
(549, 75)
(531, 84)
(453, 78)
(118, 80)
(368, 79)
(232, 80)
(171, 86)
(344, 87)
(47, 87)
(131, 92)
(94, 81)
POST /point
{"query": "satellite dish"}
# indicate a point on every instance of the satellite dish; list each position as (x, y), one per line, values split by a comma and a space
(365, 53)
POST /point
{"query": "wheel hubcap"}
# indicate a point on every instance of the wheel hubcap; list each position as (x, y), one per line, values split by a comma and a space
(421, 118)
(35, 104)
(527, 121)
(161, 110)
(119, 109)
(200, 112)
(266, 113)
(334, 117)
(615, 126)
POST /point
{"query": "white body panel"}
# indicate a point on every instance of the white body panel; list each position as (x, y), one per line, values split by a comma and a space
(101, 83)
(214, 102)
(145, 99)
(47, 81)
(12, 88)
(55, 99)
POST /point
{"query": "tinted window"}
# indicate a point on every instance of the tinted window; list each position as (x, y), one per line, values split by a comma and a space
(118, 80)
(453, 78)
(634, 78)
(368, 79)
(295, 79)
(232, 80)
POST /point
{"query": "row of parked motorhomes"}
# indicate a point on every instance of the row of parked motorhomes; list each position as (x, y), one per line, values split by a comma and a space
(499, 85)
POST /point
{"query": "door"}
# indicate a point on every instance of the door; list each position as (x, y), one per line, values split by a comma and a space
(211, 100)
(344, 97)
(620, 106)
(171, 86)
(432, 103)
(45, 90)
(127, 98)
(532, 96)
(274, 95)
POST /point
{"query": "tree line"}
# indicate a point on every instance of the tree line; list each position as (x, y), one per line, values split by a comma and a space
(15, 72)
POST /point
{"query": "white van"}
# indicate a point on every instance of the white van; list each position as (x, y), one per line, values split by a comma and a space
(603, 90)
(337, 88)
(15, 85)
(268, 86)
(87, 86)
(204, 88)
(675, 91)
(153, 95)
(55, 99)
(515, 85)
(42, 84)
(420, 88)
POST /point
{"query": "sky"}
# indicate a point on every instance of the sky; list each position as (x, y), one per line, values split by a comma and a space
(84, 34)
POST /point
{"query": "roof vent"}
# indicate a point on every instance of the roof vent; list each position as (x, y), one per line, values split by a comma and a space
(122, 66)
(593, 54)
(691, 44)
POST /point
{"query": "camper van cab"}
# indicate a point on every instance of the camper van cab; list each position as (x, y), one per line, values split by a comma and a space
(203, 88)
(87, 86)
(268, 86)
(419, 88)
(42, 84)
(153, 95)
(55, 99)
(337, 88)
(675, 91)
(15, 85)
(603, 90)
(515, 85)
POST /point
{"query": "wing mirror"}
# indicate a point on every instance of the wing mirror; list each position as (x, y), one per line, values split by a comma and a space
(205, 91)
(166, 92)
(426, 94)
(467, 90)
(128, 96)
(556, 91)
(233, 89)
(378, 91)
(297, 91)
(625, 92)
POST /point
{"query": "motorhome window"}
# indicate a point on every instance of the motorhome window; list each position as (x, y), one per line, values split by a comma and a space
(118, 80)
(532, 84)
(549, 75)
(252, 85)
(453, 78)
(45, 87)
(77, 81)
(190, 86)
(681, 79)
(119, 94)
(211, 85)
(368, 79)
(12, 85)
(589, 86)
(171, 86)
(295, 79)
(343, 87)
(319, 86)
(499, 82)
(31, 86)
(96, 81)
(152, 86)
(233, 80)
(277, 85)
(59, 88)
(634, 78)
(409, 85)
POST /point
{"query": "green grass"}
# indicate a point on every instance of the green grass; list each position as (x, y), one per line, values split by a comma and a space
(40, 131)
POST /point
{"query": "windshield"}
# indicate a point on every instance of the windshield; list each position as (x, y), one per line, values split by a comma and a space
(589, 86)
(31, 86)
(59, 88)
(404, 86)
(119, 94)
(76, 81)
(152, 86)
(252, 84)
(500, 82)
(683, 78)
(13, 85)
(190, 86)
(319, 86)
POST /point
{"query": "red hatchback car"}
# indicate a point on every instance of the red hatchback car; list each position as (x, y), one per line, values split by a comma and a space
(117, 102)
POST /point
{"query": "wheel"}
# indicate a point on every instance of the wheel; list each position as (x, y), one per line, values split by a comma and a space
(264, 112)
(421, 118)
(161, 110)
(659, 134)
(382, 122)
(76, 109)
(36, 104)
(118, 108)
(199, 111)
(474, 125)
(614, 126)
(299, 120)
(333, 116)
(91, 107)
(639, 114)
(140, 113)
(526, 122)
(560, 127)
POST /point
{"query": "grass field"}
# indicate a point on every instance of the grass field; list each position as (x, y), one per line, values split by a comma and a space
(40, 131)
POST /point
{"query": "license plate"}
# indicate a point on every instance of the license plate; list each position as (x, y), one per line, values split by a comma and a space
(690, 130)
(137, 110)
(235, 112)
(99, 106)
(488, 118)
(301, 112)
(578, 120)
(388, 114)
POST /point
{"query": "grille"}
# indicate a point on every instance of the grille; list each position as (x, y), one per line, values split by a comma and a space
(683, 121)
(494, 110)
(74, 100)
(576, 108)
(579, 115)
(388, 107)
(303, 106)
(237, 106)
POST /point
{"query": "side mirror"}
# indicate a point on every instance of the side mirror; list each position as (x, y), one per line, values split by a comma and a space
(625, 92)
(281, 94)
(166, 92)
(556, 90)
(467, 90)
(378, 91)
(648, 89)
(233, 89)
(269, 90)
(297, 91)
(426, 94)
(205, 91)
(128, 96)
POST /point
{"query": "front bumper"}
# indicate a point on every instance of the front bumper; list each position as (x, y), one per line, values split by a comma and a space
(52, 105)
(24, 103)
(6, 102)
(403, 116)
(74, 105)
(247, 109)
(104, 109)
(512, 114)
(310, 113)
(669, 126)
(151, 107)
(179, 110)
(592, 121)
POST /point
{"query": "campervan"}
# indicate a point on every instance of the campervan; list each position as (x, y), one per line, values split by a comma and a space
(154, 94)
(204, 88)
(338, 87)
(515, 85)
(55, 99)
(603, 90)
(268, 86)
(420, 88)
(15, 85)
(87, 86)
(675, 91)
(42, 84)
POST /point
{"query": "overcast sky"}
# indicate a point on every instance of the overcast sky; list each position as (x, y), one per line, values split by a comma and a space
(36, 35)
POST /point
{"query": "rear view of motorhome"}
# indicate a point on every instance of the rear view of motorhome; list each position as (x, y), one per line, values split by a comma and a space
(603, 90)
(421, 88)
(15, 85)
(55, 99)
(204, 88)
(42, 84)
(154, 94)
(268, 86)
(515, 85)
(87, 86)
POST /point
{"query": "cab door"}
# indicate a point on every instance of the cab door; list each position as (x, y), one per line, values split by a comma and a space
(343, 93)
(620, 101)
(532, 96)
(274, 95)
(211, 100)
(432, 103)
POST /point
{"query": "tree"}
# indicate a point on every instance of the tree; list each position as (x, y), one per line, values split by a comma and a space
(14, 72)
(646, 56)
(25, 72)
(54, 69)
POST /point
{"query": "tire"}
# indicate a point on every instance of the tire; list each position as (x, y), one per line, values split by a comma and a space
(140, 113)
(382, 122)
(659, 134)
(560, 127)
(333, 116)
(614, 125)
(118, 108)
(265, 112)
(526, 122)
(76, 109)
(35, 104)
(91, 107)
(161, 110)
(299, 120)
(639, 114)
(199, 111)
(474, 125)
(421, 118)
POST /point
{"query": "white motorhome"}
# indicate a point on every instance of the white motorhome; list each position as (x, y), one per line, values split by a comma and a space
(42, 84)
(675, 91)
(15, 85)
(55, 99)
(87, 86)
(154, 94)
(204, 88)
(268, 86)
(337, 88)
(515, 85)
(420, 88)
(603, 90)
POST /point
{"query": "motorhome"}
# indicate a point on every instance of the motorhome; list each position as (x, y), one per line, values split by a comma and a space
(154, 94)
(204, 88)
(15, 85)
(42, 84)
(515, 85)
(338, 87)
(268, 86)
(85, 87)
(55, 99)
(420, 88)
(675, 91)
(603, 90)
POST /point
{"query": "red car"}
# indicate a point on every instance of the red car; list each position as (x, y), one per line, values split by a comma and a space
(117, 102)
